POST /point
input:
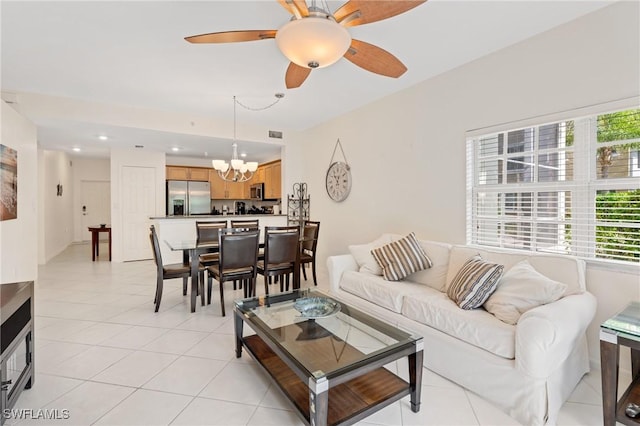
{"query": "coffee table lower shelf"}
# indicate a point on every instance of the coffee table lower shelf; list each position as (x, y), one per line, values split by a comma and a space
(348, 402)
(631, 395)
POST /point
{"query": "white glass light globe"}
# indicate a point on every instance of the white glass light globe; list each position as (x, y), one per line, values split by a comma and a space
(313, 42)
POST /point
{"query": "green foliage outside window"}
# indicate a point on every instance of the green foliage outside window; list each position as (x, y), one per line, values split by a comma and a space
(618, 241)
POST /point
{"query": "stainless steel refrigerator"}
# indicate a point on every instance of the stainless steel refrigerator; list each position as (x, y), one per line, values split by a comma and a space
(187, 198)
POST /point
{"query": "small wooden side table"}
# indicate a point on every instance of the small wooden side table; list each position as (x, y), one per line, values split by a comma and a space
(621, 330)
(95, 240)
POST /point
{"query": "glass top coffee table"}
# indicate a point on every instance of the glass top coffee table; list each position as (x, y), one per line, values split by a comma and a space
(327, 357)
(621, 330)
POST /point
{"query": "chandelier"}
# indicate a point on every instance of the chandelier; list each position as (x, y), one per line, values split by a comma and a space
(236, 170)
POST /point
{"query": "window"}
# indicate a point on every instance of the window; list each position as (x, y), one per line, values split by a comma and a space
(568, 187)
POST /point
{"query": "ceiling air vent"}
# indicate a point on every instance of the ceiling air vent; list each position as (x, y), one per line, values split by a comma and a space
(275, 134)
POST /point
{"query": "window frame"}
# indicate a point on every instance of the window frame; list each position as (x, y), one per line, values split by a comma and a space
(583, 187)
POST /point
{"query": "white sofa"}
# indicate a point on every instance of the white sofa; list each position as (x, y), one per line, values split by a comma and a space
(528, 369)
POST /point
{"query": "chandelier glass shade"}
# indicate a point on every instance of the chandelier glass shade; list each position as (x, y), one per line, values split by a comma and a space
(236, 170)
(313, 41)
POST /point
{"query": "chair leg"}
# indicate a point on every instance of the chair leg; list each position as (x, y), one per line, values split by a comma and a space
(266, 285)
(159, 286)
(254, 284)
(235, 283)
(313, 269)
(201, 289)
(286, 277)
(304, 270)
(209, 286)
(281, 286)
(184, 285)
(222, 296)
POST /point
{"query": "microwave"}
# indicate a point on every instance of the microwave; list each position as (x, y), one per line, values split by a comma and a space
(256, 191)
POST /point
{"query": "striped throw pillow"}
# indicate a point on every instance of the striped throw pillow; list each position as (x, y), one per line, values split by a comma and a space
(474, 283)
(401, 258)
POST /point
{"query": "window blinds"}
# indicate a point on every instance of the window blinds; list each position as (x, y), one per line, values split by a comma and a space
(569, 187)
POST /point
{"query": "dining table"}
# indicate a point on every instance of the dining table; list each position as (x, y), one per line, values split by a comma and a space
(192, 248)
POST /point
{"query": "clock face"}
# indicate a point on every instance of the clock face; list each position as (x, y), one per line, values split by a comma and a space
(338, 181)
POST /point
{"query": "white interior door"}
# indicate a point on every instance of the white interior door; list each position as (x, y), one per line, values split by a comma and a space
(95, 202)
(138, 205)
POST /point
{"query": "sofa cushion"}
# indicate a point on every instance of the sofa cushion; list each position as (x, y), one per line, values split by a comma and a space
(436, 276)
(474, 283)
(401, 258)
(568, 270)
(379, 291)
(520, 289)
(362, 254)
(476, 327)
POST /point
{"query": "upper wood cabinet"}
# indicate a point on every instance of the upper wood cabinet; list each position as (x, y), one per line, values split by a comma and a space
(201, 174)
(223, 190)
(272, 180)
(176, 173)
(187, 173)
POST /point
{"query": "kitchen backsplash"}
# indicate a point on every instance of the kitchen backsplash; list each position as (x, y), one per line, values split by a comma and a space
(218, 205)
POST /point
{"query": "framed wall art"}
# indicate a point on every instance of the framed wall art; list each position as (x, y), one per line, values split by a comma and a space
(8, 183)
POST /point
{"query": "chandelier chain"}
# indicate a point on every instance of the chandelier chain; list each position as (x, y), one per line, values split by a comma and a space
(278, 99)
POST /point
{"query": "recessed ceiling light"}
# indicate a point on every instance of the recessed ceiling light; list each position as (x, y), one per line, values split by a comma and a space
(175, 149)
(243, 154)
(103, 137)
(76, 149)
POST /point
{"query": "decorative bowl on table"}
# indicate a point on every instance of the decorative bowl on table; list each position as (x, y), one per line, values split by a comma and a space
(316, 307)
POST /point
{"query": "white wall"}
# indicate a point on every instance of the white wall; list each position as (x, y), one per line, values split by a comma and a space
(57, 232)
(86, 169)
(132, 157)
(18, 237)
(407, 151)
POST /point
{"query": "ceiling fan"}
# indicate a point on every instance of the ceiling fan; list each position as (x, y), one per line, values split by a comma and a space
(315, 38)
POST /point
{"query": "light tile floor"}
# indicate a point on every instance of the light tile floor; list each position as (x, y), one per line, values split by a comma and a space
(107, 358)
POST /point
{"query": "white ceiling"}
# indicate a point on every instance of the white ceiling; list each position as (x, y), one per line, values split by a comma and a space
(133, 54)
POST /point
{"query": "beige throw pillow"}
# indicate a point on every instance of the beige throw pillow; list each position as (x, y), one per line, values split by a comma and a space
(363, 257)
(474, 283)
(401, 258)
(520, 289)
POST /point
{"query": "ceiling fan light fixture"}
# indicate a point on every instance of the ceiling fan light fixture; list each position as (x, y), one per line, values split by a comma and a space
(313, 42)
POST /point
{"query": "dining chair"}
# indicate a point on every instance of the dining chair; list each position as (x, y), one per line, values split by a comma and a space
(252, 224)
(167, 272)
(238, 259)
(281, 253)
(207, 232)
(248, 224)
(309, 248)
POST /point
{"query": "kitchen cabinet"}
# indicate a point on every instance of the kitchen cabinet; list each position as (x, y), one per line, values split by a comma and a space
(223, 190)
(272, 180)
(187, 173)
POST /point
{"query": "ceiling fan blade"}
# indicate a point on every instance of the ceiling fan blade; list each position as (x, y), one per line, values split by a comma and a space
(375, 59)
(358, 12)
(296, 75)
(295, 7)
(232, 36)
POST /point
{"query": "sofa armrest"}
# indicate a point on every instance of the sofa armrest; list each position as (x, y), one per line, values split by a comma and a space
(337, 266)
(546, 335)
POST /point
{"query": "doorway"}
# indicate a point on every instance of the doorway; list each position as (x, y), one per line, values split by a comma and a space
(138, 205)
(95, 202)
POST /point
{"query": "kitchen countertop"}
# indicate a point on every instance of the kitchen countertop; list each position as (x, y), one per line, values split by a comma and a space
(216, 216)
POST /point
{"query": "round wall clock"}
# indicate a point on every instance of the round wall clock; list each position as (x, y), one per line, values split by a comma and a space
(338, 181)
